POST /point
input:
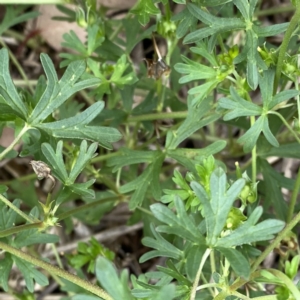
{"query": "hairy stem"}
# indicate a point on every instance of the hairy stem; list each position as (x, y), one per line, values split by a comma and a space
(56, 271)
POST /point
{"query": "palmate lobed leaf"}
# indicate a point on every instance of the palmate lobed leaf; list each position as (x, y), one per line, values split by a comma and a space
(58, 91)
(162, 246)
(180, 224)
(55, 160)
(30, 274)
(76, 128)
(217, 206)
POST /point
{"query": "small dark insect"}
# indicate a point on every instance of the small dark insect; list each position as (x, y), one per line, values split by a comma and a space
(156, 68)
(42, 170)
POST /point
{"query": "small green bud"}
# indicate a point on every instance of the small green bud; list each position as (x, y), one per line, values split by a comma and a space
(234, 51)
(235, 218)
(80, 18)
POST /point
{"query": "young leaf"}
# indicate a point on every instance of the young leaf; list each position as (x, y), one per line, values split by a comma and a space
(217, 206)
(250, 233)
(143, 9)
(8, 91)
(56, 160)
(109, 280)
(84, 157)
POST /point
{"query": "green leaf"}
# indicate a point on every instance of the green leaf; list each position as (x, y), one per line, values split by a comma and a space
(217, 206)
(181, 224)
(84, 157)
(127, 157)
(76, 128)
(55, 160)
(193, 260)
(118, 78)
(211, 3)
(8, 215)
(8, 91)
(243, 7)
(58, 91)
(195, 70)
(30, 274)
(11, 154)
(83, 189)
(11, 16)
(270, 30)
(3, 189)
(291, 150)
(162, 246)
(143, 9)
(268, 134)
(238, 262)
(108, 278)
(216, 25)
(282, 96)
(272, 190)
(33, 236)
(188, 157)
(194, 121)
(6, 264)
(186, 22)
(95, 40)
(249, 139)
(251, 48)
(72, 41)
(238, 106)
(132, 28)
(202, 49)
(172, 271)
(250, 233)
(140, 186)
